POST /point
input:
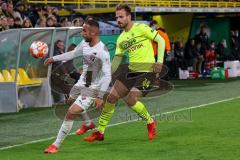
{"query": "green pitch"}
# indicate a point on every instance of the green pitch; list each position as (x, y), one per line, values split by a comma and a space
(209, 132)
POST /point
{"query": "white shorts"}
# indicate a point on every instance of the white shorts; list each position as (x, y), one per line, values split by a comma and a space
(84, 102)
(78, 90)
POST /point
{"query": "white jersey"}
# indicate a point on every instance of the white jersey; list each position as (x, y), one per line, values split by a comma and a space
(96, 65)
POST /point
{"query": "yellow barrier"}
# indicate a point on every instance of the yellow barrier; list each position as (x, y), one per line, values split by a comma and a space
(145, 3)
(7, 76)
(1, 78)
(22, 77)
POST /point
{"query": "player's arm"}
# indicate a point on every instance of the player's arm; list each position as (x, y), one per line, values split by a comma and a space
(116, 62)
(154, 36)
(65, 56)
(117, 59)
(161, 47)
(106, 75)
(105, 79)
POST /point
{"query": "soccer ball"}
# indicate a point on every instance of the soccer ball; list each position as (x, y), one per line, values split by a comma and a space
(38, 49)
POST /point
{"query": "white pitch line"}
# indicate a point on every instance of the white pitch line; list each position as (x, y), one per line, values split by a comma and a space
(134, 120)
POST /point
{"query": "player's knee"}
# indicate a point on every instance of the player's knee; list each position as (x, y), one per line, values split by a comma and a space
(112, 99)
(131, 102)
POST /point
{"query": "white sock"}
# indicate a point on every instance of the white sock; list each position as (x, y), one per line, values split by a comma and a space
(86, 118)
(63, 132)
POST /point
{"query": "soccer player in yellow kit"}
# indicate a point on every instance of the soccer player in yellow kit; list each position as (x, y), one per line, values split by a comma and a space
(132, 83)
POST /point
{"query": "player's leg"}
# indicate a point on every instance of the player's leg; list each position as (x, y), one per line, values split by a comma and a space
(141, 87)
(73, 112)
(86, 125)
(133, 102)
(118, 91)
(87, 122)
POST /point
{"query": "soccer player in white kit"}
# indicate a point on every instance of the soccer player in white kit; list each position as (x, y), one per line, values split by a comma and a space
(93, 82)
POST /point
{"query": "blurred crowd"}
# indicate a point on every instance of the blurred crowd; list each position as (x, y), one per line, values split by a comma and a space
(17, 14)
(200, 54)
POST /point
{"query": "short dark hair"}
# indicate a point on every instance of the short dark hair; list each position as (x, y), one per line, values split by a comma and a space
(62, 19)
(89, 18)
(125, 7)
(58, 41)
(92, 23)
(17, 19)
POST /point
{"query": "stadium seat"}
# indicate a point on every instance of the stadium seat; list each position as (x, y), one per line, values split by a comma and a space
(1, 78)
(25, 79)
(19, 80)
(7, 76)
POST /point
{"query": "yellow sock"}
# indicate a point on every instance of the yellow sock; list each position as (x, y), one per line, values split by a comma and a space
(106, 114)
(140, 109)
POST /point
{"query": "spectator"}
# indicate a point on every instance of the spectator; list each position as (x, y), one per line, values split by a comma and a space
(78, 22)
(19, 11)
(58, 71)
(32, 14)
(27, 23)
(10, 22)
(222, 54)
(202, 38)
(210, 57)
(58, 48)
(70, 68)
(164, 35)
(4, 8)
(17, 23)
(10, 11)
(89, 18)
(64, 22)
(198, 60)
(50, 22)
(41, 23)
(234, 43)
(190, 52)
(170, 62)
(179, 57)
(81, 20)
(4, 23)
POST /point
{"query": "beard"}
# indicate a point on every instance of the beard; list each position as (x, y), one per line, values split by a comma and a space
(88, 39)
(121, 25)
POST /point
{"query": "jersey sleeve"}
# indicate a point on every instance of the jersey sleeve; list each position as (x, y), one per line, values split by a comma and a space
(147, 31)
(70, 55)
(106, 73)
(119, 51)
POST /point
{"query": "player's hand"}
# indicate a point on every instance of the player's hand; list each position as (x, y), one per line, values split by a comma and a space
(99, 103)
(48, 61)
(157, 67)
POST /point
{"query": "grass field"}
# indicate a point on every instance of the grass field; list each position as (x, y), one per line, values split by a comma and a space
(208, 132)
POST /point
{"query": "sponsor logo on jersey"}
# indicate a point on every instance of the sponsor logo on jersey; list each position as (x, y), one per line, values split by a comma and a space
(135, 47)
(126, 44)
(146, 84)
